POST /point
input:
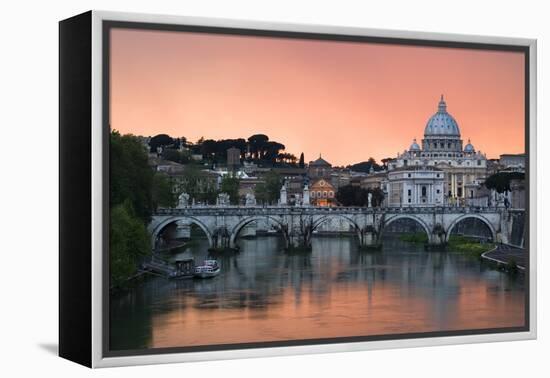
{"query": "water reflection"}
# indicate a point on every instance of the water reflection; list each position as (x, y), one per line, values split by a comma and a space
(264, 294)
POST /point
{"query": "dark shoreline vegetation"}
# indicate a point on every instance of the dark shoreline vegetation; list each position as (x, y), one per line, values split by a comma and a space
(135, 193)
(456, 243)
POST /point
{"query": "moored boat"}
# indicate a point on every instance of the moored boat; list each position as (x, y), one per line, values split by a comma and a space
(209, 269)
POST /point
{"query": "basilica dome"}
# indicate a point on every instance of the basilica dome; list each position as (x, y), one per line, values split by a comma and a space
(442, 124)
(414, 146)
(469, 147)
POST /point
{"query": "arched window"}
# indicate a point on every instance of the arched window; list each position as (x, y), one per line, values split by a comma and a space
(325, 194)
(331, 194)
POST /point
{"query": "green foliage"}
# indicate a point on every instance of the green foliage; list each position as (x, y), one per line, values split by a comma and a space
(230, 185)
(161, 190)
(160, 140)
(468, 245)
(416, 237)
(197, 184)
(268, 191)
(365, 166)
(301, 163)
(131, 176)
(501, 181)
(129, 243)
(377, 197)
(175, 156)
(350, 195)
(136, 191)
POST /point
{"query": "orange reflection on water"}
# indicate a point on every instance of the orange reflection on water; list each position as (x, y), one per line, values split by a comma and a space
(337, 310)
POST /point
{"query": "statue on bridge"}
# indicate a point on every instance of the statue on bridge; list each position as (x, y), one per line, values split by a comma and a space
(183, 200)
(250, 199)
(305, 196)
(223, 199)
(282, 196)
(369, 199)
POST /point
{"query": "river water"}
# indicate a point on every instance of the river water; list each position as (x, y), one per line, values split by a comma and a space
(263, 294)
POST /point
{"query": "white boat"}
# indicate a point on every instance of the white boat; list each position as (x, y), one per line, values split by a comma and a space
(209, 269)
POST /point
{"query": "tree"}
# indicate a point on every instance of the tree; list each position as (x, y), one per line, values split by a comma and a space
(377, 196)
(271, 151)
(257, 145)
(501, 181)
(385, 162)
(160, 140)
(131, 176)
(129, 242)
(209, 148)
(301, 164)
(230, 185)
(366, 166)
(350, 195)
(268, 191)
(161, 191)
(175, 156)
(285, 157)
(136, 191)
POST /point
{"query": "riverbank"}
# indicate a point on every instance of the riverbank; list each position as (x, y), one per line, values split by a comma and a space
(506, 255)
(456, 243)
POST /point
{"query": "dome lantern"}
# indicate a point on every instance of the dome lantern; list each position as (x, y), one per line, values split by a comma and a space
(442, 124)
(442, 108)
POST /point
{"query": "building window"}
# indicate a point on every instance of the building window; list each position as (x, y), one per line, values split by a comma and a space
(312, 194)
(331, 194)
(409, 192)
(442, 145)
(423, 191)
(319, 194)
(409, 200)
(409, 175)
(325, 194)
(437, 191)
(449, 145)
(479, 162)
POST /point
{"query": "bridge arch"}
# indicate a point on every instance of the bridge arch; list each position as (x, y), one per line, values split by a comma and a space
(470, 216)
(329, 217)
(246, 221)
(418, 220)
(162, 225)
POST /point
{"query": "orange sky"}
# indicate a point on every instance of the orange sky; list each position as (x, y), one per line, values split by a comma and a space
(346, 100)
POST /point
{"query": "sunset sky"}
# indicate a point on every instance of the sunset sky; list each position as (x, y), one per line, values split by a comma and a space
(346, 100)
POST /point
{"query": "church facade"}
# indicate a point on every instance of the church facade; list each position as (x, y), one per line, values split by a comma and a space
(460, 169)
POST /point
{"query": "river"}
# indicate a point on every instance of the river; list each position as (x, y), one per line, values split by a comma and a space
(264, 294)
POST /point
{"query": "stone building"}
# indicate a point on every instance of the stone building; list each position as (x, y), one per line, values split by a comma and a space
(513, 162)
(322, 193)
(233, 158)
(517, 194)
(415, 186)
(463, 168)
(319, 168)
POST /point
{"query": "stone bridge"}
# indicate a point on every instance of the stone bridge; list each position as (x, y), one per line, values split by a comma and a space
(222, 224)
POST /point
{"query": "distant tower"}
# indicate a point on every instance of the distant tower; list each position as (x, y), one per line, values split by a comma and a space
(233, 158)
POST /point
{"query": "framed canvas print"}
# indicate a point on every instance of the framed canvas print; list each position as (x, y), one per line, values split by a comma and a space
(235, 189)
